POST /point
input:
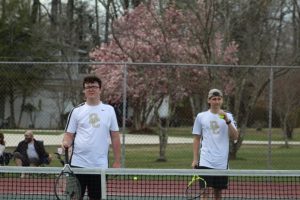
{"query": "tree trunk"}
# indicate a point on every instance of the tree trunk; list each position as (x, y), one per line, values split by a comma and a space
(11, 121)
(35, 11)
(2, 103)
(54, 12)
(22, 110)
(97, 36)
(3, 10)
(286, 143)
(163, 139)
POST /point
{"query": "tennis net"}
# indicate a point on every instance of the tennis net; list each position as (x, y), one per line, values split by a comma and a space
(144, 184)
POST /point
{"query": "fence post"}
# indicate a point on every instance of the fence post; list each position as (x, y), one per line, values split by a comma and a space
(270, 120)
(124, 114)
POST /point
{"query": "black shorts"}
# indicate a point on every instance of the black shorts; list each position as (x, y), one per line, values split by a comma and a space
(93, 184)
(217, 182)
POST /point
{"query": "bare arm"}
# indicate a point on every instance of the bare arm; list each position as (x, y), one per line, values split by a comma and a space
(233, 132)
(116, 145)
(196, 145)
(67, 140)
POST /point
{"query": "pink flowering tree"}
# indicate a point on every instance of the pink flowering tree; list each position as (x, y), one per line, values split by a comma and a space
(147, 34)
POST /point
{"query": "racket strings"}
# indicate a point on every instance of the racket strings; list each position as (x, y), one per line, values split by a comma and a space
(68, 187)
(73, 187)
(196, 187)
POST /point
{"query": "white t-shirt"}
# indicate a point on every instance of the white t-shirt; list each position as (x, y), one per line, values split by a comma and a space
(31, 152)
(215, 139)
(91, 126)
(2, 148)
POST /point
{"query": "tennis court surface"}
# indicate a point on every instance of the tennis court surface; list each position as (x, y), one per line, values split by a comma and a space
(144, 184)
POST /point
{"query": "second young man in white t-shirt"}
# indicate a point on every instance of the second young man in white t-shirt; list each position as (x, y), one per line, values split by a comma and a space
(212, 130)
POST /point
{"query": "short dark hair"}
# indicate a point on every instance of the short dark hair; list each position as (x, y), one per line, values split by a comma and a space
(92, 79)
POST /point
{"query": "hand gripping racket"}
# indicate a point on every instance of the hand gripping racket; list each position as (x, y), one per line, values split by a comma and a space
(66, 185)
(196, 187)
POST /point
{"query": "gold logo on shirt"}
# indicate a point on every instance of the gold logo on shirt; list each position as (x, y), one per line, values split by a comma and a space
(94, 120)
(214, 126)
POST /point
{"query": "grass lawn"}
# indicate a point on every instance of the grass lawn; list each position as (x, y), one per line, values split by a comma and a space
(180, 155)
(251, 133)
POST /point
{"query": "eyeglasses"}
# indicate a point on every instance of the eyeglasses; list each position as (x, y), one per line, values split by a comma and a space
(91, 87)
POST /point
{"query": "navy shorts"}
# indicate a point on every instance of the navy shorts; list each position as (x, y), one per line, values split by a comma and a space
(217, 182)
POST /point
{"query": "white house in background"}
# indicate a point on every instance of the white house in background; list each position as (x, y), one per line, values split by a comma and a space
(49, 101)
(163, 110)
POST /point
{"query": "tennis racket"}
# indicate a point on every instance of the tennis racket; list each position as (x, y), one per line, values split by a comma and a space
(196, 187)
(66, 185)
(58, 156)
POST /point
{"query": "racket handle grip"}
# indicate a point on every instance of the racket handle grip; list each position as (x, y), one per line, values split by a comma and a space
(66, 155)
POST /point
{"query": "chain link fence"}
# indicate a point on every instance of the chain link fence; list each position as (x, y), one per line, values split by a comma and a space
(156, 105)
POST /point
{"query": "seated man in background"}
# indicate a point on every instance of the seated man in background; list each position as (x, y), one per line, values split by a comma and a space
(31, 152)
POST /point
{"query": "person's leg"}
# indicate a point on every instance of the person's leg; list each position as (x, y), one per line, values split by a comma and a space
(20, 160)
(209, 183)
(82, 180)
(7, 157)
(205, 195)
(34, 162)
(219, 183)
(45, 160)
(217, 194)
(94, 187)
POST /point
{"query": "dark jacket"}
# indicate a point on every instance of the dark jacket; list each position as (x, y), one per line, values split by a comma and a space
(39, 147)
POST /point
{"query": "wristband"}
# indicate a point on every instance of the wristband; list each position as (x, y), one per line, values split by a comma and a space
(228, 122)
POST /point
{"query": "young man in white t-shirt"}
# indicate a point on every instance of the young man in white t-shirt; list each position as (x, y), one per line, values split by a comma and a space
(212, 131)
(89, 128)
